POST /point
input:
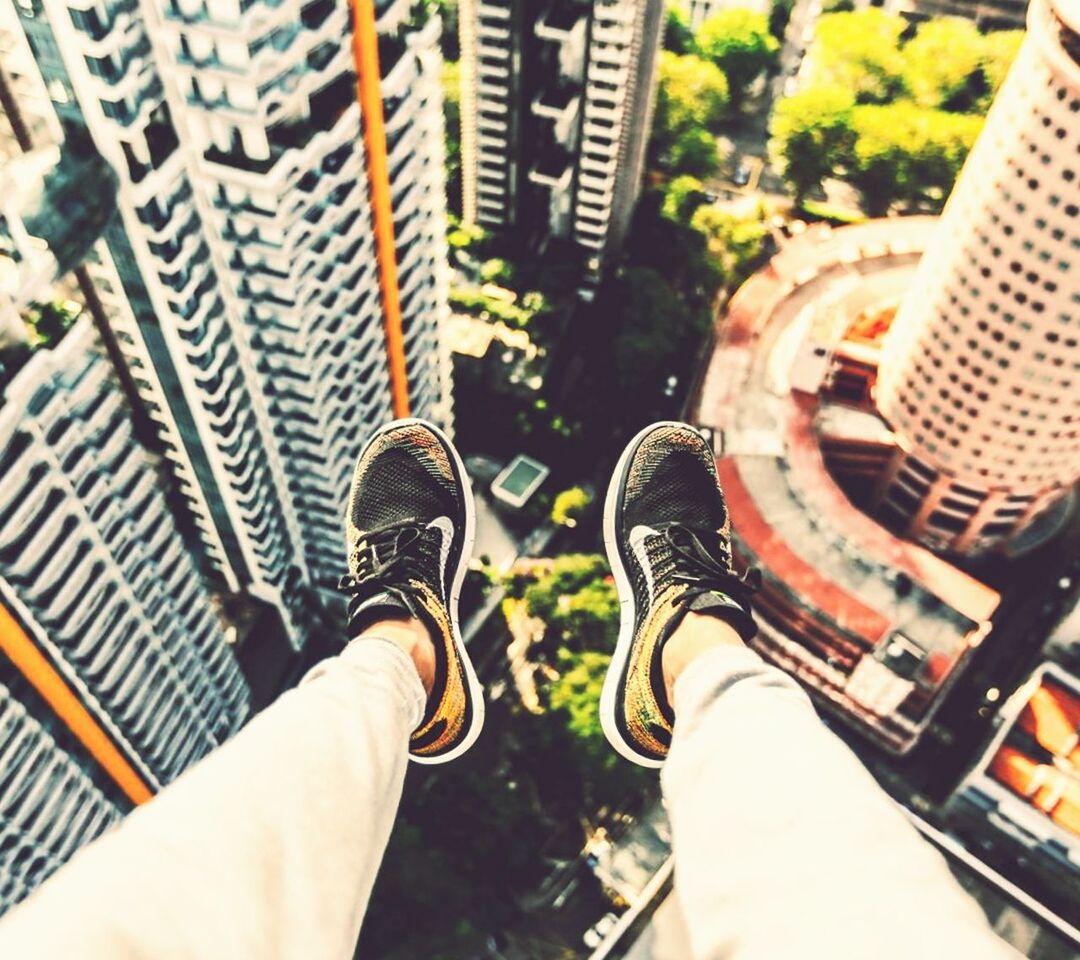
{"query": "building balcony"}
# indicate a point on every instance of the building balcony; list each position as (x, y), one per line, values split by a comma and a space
(561, 105)
(327, 107)
(552, 169)
(598, 167)
(497, 75)
(489, 33)
(558, 23)
(492, 11)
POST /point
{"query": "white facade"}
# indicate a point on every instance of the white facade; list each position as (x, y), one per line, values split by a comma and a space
(556, 108)
(241, 277)
(980, 373)
(93, 566)
(619, 100)
(49, 807)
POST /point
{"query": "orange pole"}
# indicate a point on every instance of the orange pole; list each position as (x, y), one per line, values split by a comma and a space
(369, 93)
(33, 665)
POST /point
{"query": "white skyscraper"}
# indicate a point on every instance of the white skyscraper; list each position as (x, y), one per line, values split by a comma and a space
(979, 372)
(49, 806)
(557, 104)
(243, 275)
(93, 566)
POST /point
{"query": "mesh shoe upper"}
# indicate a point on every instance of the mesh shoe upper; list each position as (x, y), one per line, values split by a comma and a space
(405, 525)
(673, 540)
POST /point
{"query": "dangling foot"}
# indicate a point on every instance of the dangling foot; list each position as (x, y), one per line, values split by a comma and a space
(668, 539)
(410, 528)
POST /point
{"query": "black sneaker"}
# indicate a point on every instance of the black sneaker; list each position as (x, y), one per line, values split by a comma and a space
(668, 539)
(410, 527)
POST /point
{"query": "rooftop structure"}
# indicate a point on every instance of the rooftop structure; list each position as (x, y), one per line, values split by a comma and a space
(557, 105)
(979, 372)
(900, 645)
(1023, 796)
(879, 628)
(519, 480)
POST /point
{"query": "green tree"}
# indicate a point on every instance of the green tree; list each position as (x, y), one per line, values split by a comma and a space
(692, 93)
(577, 602)
(471, 237)
(738, 41)
(570, 506)
(574, 700)
(496, 270)
(904, 154)
(678, 37)
(588, 618)
(999, 49)
(652, 323)
(691, 101)
(736, 242)
(569, 573)
(695, 152)
(682, 196)
(860, 52)
(577, 693)
(50, 321)
(811, 133)
(942, 64)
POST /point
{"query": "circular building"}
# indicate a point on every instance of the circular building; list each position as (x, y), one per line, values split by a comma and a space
(980, 372)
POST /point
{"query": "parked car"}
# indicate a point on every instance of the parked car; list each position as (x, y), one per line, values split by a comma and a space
(742, 175)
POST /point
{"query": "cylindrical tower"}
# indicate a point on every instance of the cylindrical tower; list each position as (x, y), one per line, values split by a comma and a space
(980, 372)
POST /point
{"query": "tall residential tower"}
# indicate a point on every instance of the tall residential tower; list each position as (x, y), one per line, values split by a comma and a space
(980, 370)
(242, 275)
(110, 637)
(557, 103)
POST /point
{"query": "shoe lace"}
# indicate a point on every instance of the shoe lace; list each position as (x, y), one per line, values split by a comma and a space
(382, 562)
(701, 564)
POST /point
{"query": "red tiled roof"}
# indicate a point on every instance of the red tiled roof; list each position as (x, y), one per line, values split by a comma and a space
(818, 592)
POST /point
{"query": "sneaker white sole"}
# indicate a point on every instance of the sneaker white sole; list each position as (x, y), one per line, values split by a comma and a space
(475, 690)
(613, 682)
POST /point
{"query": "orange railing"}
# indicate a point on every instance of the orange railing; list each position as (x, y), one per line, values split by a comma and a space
(56, 692)
(369, 93)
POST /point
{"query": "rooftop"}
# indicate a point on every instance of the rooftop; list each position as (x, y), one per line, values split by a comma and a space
(876, 626)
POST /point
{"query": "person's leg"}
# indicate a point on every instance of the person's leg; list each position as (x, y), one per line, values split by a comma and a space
(785, 846)
(268, 848)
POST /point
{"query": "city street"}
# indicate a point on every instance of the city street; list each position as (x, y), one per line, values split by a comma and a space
(748, 135)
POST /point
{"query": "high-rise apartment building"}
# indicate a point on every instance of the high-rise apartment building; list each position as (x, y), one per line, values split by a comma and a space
(115, 670)
(980, 370)
(273, 279)
(49, 806)
(102, 608)
(557, 103)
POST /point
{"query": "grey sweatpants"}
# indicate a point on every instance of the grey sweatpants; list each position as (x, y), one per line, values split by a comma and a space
(784, 846)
